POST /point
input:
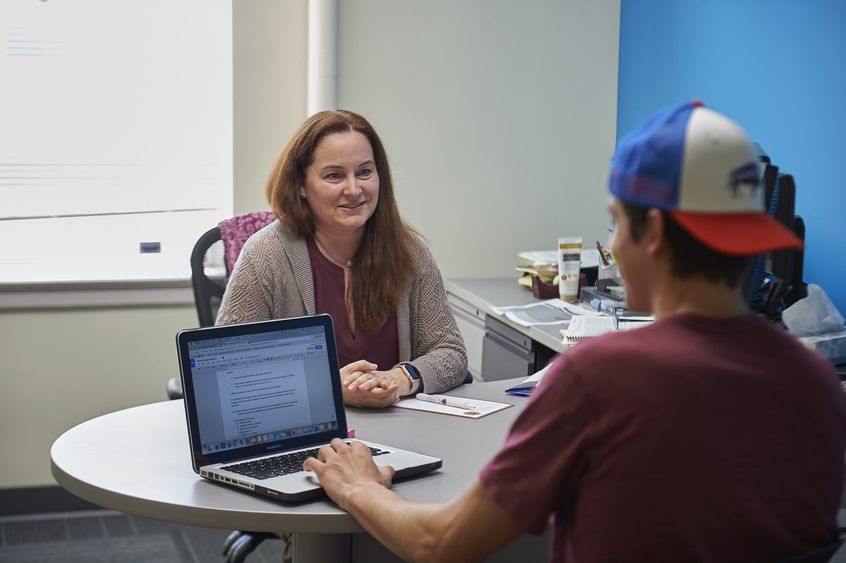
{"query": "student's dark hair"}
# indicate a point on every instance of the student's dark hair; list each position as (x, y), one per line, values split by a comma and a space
(383, 265)
(689, 257)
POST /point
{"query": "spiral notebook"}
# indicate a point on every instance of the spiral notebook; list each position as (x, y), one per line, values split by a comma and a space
(587, 327)
(581, 327)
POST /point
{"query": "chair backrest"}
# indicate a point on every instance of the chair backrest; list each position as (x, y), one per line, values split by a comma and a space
(208, 292)
(819, 555)
(234, 232)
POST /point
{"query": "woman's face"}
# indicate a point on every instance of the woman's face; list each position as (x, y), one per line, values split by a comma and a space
(342, 185)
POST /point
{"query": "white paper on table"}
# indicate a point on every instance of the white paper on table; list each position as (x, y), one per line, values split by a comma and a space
(480, 408)
(551, 311)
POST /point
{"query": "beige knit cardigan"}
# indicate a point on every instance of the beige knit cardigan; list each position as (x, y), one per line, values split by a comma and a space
(272, 279)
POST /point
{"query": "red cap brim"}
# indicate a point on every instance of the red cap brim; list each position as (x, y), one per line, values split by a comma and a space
(739, 234)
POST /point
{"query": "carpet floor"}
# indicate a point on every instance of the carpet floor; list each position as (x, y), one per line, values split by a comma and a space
(104, 536)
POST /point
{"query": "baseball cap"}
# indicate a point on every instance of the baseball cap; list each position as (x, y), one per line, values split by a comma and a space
(700, 167)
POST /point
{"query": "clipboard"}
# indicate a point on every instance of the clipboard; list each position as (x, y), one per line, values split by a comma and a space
(481, 408)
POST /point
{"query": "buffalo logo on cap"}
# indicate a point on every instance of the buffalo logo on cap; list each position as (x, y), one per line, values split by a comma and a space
(746, 175)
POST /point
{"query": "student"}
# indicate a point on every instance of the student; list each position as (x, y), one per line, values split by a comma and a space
(339, 246)
(710, 435)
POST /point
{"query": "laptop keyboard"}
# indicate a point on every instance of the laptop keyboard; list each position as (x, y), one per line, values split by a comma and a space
(279, 465)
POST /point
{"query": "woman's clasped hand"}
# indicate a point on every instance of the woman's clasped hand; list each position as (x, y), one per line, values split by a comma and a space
(365, 386)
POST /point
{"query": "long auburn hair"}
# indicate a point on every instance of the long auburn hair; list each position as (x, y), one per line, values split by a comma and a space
(383, 265)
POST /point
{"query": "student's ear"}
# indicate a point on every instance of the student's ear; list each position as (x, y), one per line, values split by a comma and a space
(655, 233)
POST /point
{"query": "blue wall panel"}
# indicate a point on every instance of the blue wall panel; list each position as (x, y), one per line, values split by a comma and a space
(776, 66)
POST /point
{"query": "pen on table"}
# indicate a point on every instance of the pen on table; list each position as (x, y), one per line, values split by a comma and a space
(446, 401)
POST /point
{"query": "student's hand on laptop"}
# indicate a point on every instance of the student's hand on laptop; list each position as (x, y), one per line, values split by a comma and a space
(344, 468)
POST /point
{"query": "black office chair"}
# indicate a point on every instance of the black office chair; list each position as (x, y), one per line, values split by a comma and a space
(208, 292)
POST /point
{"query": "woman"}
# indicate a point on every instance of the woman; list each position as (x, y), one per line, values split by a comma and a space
(339, 246)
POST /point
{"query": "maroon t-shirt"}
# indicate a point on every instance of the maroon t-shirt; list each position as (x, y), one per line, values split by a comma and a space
(693, 439)
(380, 347)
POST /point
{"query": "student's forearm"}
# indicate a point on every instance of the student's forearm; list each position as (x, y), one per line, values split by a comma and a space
(413, 531)
(466, 529)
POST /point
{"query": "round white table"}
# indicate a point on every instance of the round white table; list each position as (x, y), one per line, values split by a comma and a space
(138, 461)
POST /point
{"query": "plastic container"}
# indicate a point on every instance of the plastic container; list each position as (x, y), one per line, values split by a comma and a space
(569, 268)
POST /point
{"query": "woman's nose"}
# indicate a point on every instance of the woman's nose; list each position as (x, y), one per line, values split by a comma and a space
(351, 186)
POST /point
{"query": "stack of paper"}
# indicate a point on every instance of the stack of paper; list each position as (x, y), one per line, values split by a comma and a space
(551, 311)
(540, 263)
(525, 387)
(544, 264)
(538, 259)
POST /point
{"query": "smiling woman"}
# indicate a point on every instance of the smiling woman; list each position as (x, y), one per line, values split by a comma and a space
(340, 247)
(342, 190)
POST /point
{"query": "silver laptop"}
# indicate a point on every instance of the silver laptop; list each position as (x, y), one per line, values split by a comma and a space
(261, 397)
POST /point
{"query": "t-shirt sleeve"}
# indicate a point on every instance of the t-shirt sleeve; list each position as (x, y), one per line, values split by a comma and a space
(540, 465)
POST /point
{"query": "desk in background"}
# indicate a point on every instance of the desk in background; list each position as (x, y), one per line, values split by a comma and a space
(498, 348)
(137, 461)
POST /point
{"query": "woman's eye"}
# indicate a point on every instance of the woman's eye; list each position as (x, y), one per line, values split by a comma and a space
(333, 176)
(365, 172)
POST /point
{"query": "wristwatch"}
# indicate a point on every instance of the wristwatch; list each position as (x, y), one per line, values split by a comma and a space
(413, 377)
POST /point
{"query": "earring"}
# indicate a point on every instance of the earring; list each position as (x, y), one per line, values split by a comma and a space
(302, 195)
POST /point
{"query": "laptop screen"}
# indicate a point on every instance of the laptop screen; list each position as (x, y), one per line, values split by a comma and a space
(259, 384)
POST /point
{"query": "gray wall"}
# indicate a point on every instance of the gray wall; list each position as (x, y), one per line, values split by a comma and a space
(498, 117)
(269, 67)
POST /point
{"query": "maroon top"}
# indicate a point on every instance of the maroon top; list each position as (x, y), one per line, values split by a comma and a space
(693, 439)
(380, 347)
